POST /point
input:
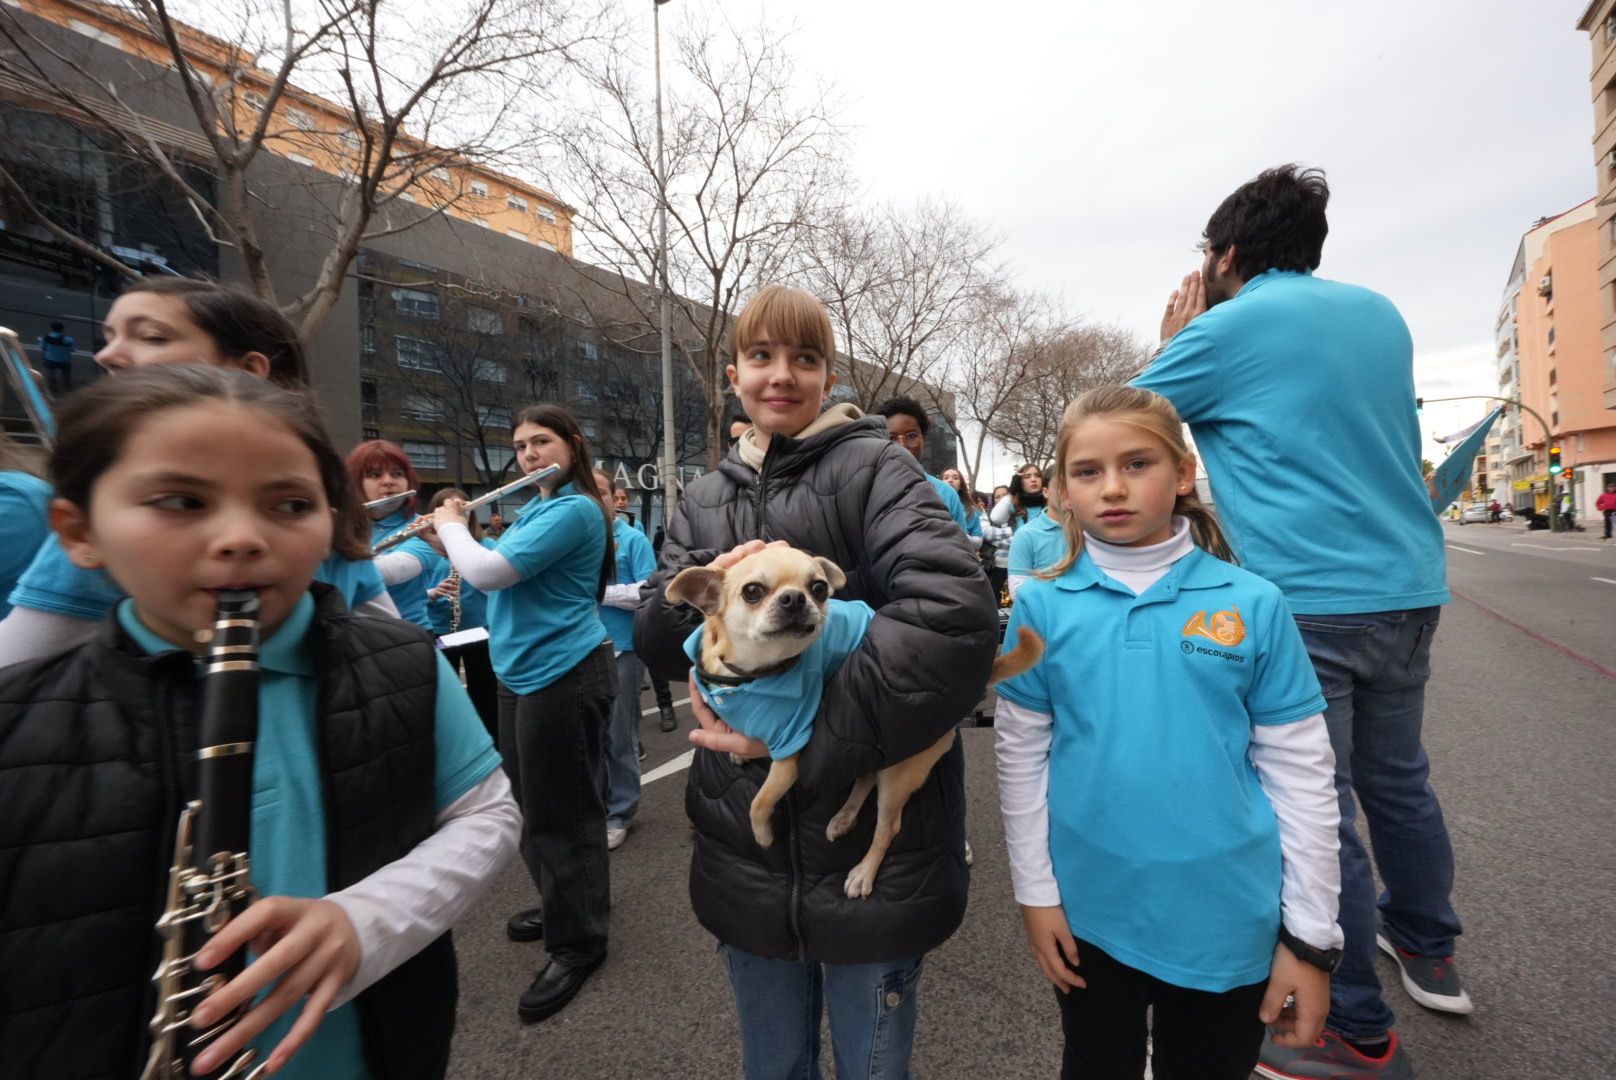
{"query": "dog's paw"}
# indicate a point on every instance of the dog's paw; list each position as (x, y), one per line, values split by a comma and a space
(840, 826)
(860, 883)
(762, 832)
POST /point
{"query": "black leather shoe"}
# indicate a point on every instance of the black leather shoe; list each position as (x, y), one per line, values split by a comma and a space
(525, 925)
(556, 984)
(668, 721)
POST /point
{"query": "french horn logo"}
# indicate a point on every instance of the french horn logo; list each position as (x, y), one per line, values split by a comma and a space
(1225, 628)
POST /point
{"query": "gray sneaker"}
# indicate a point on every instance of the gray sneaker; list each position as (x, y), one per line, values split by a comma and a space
(1331, 1058)
(1433, 981)
(615, 835)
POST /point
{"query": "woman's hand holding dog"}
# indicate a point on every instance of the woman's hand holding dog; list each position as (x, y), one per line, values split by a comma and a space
(736, 554)
(712, 733)
(1052, 945)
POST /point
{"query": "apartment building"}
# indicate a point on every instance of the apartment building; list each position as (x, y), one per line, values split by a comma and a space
(1599, 23)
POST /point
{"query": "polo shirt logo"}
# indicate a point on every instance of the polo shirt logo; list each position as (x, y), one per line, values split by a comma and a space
(1226, 628)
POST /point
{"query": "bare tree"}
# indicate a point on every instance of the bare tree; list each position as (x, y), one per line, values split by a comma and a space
(751, 165)
(1074, 359)
(425, 89)
(899, 284)
(1000, 351)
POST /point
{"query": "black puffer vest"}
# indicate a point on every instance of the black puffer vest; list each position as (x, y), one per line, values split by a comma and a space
(850, 495)
(94, 753)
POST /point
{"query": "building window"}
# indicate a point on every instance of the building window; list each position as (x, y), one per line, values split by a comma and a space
(479, 189)
(588, 351)
(418, 355)
(586, 390)
(367, 339)
(94, 32)
(1554, 418)
(1553, 372)
(494, 416)
(426, 455)
(490, 371)
(546, 214)
(516, 234)
(406, 196)
(481, 223)
(422, 407)
(416, 303)
(484, 320)
(369, 432)
(300, 119)
(1551, 341)
(516, 202)
(300, 159)
(254, 100)
(1610, 28)
(496, 459)
(546, 245)
(349, 138)
(440, 173)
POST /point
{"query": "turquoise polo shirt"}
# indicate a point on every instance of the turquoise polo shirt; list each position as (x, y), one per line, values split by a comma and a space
(1300, 394)
(473, 601)
(288, 807)
(779, 710)
(541, 627)
(1164, 845)
(1037, 545)
(635, 562)
(951, 502)
(409, 596)
(1034, 513)
(24, 506)
(54, 584)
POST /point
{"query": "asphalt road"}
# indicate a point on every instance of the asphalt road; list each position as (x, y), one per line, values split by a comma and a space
(1518, 727)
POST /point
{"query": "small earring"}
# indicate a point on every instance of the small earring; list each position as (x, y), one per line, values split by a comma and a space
(89, 560)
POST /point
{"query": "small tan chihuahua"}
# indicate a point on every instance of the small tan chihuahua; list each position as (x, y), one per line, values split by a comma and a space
(763, 613)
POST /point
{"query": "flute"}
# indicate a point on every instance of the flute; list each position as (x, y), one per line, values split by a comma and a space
(424, 524)
(22, 381)
(389, 501)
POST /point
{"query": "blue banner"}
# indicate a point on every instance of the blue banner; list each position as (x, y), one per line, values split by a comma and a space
(1453, 475)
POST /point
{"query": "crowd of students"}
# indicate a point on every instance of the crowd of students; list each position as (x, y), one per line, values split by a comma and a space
(1176, 774)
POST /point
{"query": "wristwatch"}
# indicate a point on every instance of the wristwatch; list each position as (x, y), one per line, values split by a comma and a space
(1323, 959)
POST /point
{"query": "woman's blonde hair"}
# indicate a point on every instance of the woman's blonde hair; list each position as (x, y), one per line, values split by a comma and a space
(787, 316)
(1151, 412)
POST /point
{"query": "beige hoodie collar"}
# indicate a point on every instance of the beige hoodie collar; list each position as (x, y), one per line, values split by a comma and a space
(835, 416)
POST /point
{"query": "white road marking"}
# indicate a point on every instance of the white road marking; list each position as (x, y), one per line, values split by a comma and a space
(1466, 550)
(1606, 580)
(1545, 547)
(668, 768)
(655, 709)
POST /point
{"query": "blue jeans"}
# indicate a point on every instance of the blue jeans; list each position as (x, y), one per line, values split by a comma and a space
(872, 1016)
(1373, 669)
(620, 784)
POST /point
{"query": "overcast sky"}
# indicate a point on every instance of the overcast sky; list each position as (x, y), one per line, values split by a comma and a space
(1098, 137)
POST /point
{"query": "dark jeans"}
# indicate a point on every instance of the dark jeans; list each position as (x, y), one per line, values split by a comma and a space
(58, 377)
(664, 695)
(1373, 669)
(482, 685)
(551, 742)
(1610, 516)
(1196, 1034)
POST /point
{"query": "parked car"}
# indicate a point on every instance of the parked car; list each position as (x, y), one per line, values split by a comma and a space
(1475, 514)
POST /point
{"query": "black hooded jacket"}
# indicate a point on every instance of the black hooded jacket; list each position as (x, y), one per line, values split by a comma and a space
(850, 495)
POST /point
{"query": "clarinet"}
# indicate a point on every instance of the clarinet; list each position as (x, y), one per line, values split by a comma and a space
(210, 881)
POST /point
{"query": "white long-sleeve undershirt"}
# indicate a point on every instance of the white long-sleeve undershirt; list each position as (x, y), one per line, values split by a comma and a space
(409, 903)
(397, 567)
(31, 634)
(1294, 764)
(483, 568)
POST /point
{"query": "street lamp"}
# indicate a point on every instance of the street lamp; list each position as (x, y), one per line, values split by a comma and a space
(670, 462)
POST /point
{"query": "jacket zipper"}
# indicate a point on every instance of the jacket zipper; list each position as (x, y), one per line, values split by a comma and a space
(763, 495)
(168, 753)
(795, 871)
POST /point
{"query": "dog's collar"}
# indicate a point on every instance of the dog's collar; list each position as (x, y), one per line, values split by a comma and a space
(745, 676)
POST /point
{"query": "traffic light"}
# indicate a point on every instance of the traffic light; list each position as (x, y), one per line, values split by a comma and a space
(1554, 461)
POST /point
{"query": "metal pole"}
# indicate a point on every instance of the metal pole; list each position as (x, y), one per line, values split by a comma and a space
(670, 460)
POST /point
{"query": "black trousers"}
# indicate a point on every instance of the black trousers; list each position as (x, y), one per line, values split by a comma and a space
(1196, 1034)
(664, 693)
(482, 685)
(1610, 516)
(551, 742)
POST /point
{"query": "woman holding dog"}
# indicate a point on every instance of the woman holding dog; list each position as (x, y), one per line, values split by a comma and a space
(832, 484)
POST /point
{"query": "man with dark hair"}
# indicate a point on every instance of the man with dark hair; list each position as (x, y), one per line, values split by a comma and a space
(56, 349)
(908, 425)
(1300, 394)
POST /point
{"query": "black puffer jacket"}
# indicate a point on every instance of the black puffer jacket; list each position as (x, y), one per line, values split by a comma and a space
(850, 495)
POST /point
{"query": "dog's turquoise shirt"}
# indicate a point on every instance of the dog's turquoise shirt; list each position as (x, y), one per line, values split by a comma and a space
(779, 709)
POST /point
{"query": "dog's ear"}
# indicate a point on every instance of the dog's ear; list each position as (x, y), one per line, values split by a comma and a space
(699, 586)
(833, 573)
